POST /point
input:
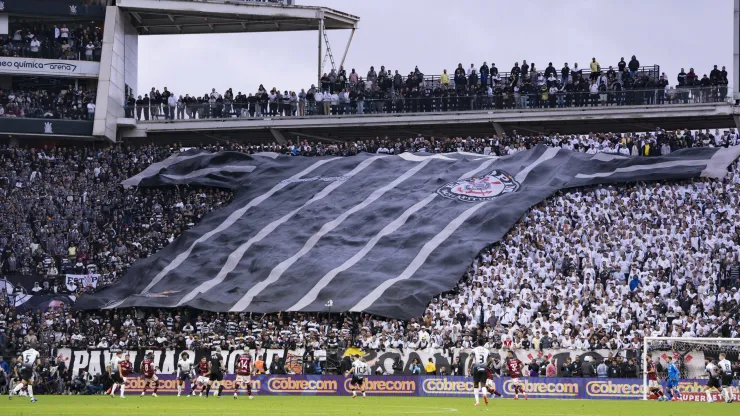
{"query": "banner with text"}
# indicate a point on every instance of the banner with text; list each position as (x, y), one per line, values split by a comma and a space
(95, 361)
(52, 67)
(75, 281)
(431, 386)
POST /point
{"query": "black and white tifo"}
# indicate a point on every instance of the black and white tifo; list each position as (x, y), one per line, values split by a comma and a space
(372, 233)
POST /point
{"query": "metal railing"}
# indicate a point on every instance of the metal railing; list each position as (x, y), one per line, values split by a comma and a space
(85, 2)
(283, 2)
(432, 104)
(652, 71)
(51, 50)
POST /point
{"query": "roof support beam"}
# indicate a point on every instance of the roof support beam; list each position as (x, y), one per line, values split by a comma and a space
(278, 136)
(321, 41)
(346, 49)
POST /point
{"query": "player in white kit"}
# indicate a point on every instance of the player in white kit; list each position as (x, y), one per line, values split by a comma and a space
(478, 369)
(713, 382)
(359, 370)
(725, 370)
(116, 374)
(29, 360)
(185, 372)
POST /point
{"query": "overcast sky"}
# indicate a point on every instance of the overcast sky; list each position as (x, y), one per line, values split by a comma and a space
(437, 35)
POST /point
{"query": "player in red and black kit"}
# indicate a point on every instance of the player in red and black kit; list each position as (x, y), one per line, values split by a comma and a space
(148, 368)
(653, 383)
(494, 369)
(243, 375)
(203, 372)
(126, 367)
(515, 368)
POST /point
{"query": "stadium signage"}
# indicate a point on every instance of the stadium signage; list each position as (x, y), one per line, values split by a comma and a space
(603, 388)
(546, 387)
(400, 385)
(302, 385)
(555, 388)
(446, 386)
(78, 69)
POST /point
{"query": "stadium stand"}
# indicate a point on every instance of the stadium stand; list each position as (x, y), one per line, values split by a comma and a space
(69, 103)
(69, 41)
(543, 286)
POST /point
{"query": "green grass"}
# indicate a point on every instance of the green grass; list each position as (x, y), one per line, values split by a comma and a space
(345, 406)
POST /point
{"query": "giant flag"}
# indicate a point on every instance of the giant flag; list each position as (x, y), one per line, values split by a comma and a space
(374, 233)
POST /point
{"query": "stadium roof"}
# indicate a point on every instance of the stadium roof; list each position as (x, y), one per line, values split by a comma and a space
(173, 17)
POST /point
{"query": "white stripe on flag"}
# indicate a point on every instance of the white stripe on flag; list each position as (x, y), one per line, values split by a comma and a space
(717, 165)
(417, 158)
(228, 222)
(547, 155)
(235, 257)
(154, 168)
(312, 294)
(208, 171)
(419, 260)
(608, 157)
(278, 271)
(649, 166)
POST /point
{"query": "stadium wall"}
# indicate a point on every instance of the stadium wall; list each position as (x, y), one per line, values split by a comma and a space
(436, 386)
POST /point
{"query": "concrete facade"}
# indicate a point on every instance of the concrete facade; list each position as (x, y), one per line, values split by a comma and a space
(118, 69)
(577, 120)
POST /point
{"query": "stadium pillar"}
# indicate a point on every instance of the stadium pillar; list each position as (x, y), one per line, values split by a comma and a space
(278, 136)
(321, 40)
(736, 55)
(500, 130)
(118, 72)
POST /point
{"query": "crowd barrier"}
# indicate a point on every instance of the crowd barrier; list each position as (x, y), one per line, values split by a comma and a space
(437, 386)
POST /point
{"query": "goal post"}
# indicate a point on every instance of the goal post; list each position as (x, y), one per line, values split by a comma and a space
(688, 353)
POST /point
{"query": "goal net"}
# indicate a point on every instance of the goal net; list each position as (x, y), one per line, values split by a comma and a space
(689, 354)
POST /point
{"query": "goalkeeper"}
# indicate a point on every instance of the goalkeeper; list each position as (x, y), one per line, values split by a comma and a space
(671, 387)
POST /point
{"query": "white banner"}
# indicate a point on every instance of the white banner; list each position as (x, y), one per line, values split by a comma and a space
(62, 68)
(81, 280)
(95, 361)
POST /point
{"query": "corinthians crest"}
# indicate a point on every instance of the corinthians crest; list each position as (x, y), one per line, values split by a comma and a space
(481, 188)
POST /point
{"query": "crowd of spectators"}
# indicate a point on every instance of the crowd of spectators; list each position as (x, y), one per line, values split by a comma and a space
(593, 268)
(69, 104)
(525, 86)
(37, 39)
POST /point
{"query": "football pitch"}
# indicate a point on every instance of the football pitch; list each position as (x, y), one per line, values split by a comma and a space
(345, 406)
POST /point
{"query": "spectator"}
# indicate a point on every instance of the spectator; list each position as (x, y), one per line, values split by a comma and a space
(552, 369)
(588, 368)
(415, 367)
(633, 66)
(602, 370)
(430, 368)
(277, 366)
